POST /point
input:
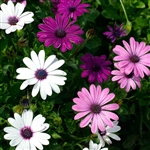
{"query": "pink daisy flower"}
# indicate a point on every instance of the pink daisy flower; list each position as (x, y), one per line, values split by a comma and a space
(59, 32)
(92, 105)
(72, 8)
(133, 57)
(126, 80)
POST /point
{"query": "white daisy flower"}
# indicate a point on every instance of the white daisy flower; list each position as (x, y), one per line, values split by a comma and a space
(26, 133)
(104, 136)
(12, 18)
(44, 75)
(94, 146)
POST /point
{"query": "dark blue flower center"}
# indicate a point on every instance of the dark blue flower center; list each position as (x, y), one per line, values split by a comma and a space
(129, 75)
(96, 68)
(116, 33)
(13, 20)
(102, 133)
(25, 102)
(26, 133)
(72, 9)
(41, 74)
(95, 108)
(60, 33)
(134, 59)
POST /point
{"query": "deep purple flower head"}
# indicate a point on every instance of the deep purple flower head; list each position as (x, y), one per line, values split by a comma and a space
(59, 32)
(72, 8)
(96, 68)
(133, 57)
(115, 32)
(55, 3)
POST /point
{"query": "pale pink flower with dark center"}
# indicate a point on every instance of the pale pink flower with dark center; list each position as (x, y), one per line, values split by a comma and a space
(93, 105)
(59, 32)
(133, 57)
(72, 8)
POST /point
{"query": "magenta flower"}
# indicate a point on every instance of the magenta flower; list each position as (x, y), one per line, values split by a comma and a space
(115, 32)
(59, 32)
(133, 57)
(72, 8)
(92, 106)
(96, 68)
(126, 80)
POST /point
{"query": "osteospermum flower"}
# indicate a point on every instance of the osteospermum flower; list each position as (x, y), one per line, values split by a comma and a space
(44, 75)
(93, 106)
(115, 32)
(94, 146)
(72, 8)
(96, 68)
(109, 133)
(133, 58)
(12, 18)
(60, 33)
(27, 133)
(126, 80)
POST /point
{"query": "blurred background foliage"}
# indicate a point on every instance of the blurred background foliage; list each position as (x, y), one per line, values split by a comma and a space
(134, 112)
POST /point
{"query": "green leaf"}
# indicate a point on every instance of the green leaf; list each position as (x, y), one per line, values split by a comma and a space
(3, 44)
(56, 136)
(139, 5)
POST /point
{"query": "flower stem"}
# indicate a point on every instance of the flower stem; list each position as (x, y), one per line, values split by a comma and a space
(124, 11)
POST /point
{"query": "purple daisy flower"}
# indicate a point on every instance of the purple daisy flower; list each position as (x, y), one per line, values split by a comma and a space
(126, 80)
(133, 58)
(96, 68)
(72, 8)
(59, 32)
(115, 32)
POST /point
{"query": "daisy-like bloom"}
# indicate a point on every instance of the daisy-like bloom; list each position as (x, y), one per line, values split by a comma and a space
(109, 132)
(93, 106)
(96, 68)
(133, 58)
(55, 3)
(59, 32)
(115, 32)
(126, 80)
(72, 8)
(44, 75)
(12, 18)
(19, 1)
(94, 146)
(27, 133)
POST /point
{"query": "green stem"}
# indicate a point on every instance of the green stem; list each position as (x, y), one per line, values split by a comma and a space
(124, 11)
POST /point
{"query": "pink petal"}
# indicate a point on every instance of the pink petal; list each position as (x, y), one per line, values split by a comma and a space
(107, 99)
(113, 106)
(110, 115)
(80, 115)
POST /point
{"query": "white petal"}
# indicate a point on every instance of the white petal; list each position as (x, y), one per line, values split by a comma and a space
(114, 136)
(6, 9)
(59, 80)
(25, 71)
(45, 127)
(26, 145)
(42, 91)
(32, 146)
(49, 60)
(11, 7)
(19, 120)
(16, 141)
(55, 65)
(43, 136)
(19, 25)
(35, 142)
(13, 122)
(57, 72)
(10, 29)
(55, 87)
(28, 82)
(35, 59)
(19, 8)
(11, 136)
(36, 88)
(24, 76)
(114, 129)
(27, 117)
(41, 57)
(11, 130)
(26, 17)
(29, 63)
(21, 145)
(47, 87)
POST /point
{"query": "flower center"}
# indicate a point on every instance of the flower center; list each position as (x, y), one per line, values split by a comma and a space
(13, 20)
(129, 75)
(72, 9)
(134, 59)
(96, 68)
(116, 33)
(41, 74)
(26, 133)
(60, 33)
(95, 108)
(25, 102)
(102, 133)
